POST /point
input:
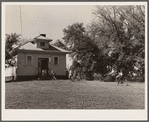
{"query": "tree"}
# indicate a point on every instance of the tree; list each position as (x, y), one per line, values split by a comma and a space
(60, 44)
(10, 41)
(85, 52)
(120, 32)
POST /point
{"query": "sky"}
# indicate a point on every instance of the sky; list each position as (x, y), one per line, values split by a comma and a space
(47, 19)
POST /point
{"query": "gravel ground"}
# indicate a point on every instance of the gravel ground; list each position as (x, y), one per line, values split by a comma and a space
(63, 94)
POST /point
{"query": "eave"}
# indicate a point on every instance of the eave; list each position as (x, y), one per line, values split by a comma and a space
(41, 52)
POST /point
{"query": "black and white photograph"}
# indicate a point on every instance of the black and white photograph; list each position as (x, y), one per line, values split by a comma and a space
(74, 60)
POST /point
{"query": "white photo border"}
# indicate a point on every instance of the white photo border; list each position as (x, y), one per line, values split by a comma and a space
(58, 114)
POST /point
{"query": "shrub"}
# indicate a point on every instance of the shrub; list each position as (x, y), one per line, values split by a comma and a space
(109, 78)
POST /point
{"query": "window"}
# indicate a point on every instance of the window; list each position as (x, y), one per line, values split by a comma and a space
(29, 60)
(42, 44)
(55, 60)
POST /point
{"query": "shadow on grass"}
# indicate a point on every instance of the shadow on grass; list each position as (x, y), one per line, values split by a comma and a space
(10, 81)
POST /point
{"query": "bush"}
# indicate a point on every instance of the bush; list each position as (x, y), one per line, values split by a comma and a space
(89, 76)
(109, 78)
(98, 76)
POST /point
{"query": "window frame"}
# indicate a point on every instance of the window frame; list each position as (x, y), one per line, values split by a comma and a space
(42, 43)
(54, 61)
(27, 59)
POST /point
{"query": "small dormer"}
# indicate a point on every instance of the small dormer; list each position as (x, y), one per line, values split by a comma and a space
(42, 41)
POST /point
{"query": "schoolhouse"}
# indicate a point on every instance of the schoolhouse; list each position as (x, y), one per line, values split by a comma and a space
(37, 55)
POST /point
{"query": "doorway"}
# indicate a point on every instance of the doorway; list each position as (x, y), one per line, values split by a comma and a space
(43, 64)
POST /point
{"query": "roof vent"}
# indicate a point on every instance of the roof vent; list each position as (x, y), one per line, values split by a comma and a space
(43, 35)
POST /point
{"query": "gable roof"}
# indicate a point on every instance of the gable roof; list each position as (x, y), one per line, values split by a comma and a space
(31, 47)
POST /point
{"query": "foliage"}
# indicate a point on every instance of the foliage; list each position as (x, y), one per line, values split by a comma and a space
(119, 32)
(115, 40)
(10, 41)
(60, 44)
(85, 52)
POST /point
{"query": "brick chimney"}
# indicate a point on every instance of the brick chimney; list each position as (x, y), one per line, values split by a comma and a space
(43, 35)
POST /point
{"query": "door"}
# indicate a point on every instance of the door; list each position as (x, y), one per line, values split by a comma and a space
(43, 64)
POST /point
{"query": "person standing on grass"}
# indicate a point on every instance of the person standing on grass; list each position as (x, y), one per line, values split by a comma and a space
(119, 77)
(79, 76)
(71, 75)
(53, 75)
(74, 76)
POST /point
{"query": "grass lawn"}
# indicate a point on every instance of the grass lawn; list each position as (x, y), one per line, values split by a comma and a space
(63, 94)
